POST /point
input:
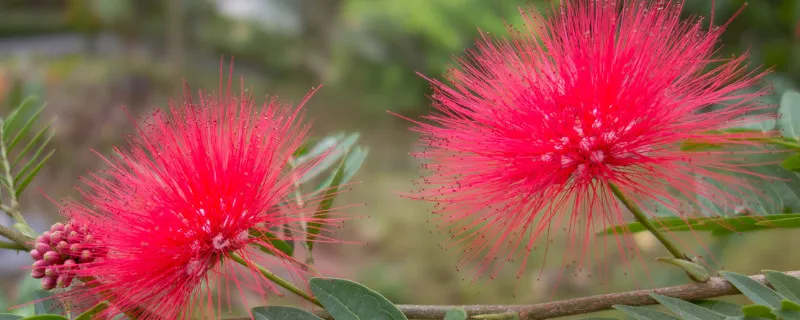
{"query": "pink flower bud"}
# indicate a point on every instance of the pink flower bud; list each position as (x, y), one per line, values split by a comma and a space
(51, 271)
(63, 248)
(52, 257)
(42, 247)
(64, 280)
(48, 283)
(57, 227)
(37, 273)
(73, 237)
(56, 237)
(36, 254)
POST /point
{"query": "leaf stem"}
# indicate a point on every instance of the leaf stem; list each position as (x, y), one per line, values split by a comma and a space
(13, 210)
(642, 218)
(275, 278)
(17, 237)
(11, 246)
(715, 287)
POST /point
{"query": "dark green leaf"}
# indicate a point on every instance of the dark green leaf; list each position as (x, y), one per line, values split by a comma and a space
(46, 317)
(282, 313)
(347, 300)
(642, 313)
(599, 318)
(696, 271)
(455, 314)
(755, 291)
(757, 310)
(273, 240)
(100, 307)
(792, 163)
(687, 310)
(786, 285)
(9, 316)
(722, 307)
(314, 226)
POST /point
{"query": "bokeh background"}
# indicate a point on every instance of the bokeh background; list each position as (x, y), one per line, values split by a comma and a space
(89, 58)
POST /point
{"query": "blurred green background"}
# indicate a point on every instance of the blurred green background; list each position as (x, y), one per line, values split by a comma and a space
(88, 58)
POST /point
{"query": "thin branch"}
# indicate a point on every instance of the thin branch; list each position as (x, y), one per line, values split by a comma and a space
(11, 246)
(17, 237)
(715, 287)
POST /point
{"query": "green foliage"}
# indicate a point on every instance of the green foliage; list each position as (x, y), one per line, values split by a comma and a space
(46, 317)
(455, 314)
(9, 316)
(320, 156)
(348, 300)
(274, 242)
(696, 271)
(282, 313)
(100, 307)
(716, 225)
(781, 303)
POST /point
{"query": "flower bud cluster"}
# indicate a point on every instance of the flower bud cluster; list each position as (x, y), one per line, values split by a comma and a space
(57, 252)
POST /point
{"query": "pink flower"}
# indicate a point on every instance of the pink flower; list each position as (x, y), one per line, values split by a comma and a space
(175, 204)
(531, 132)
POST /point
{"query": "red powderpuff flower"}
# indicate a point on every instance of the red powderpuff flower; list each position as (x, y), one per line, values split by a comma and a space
(173, 206)
(532, 132)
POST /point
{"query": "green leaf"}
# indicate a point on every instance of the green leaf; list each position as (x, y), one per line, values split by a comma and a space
(9, 316)
(46, 317)
(722, 307)
(348, 300)
(786, 285)
(687, 310)
(781, 223)
(642, 313)
(455, 314)
(757, 292)
(100, 307)
(333, 155)
(790, 305)
(29, 177)
(352, 163)
(696, 271)
(314, 226)
(757, 310)
(44, 302)
(719, 225)
(273, 240)
(282, 313)
(789, 115)
(792, 163)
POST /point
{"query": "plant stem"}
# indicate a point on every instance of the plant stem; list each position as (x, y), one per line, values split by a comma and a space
(13, 211)
(11, 246)
(641, 217)
(275, 278)
(17, 237)
(715, 287)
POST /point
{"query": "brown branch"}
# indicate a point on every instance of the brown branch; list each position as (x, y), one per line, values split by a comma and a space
(715, 287)
(22, 240)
